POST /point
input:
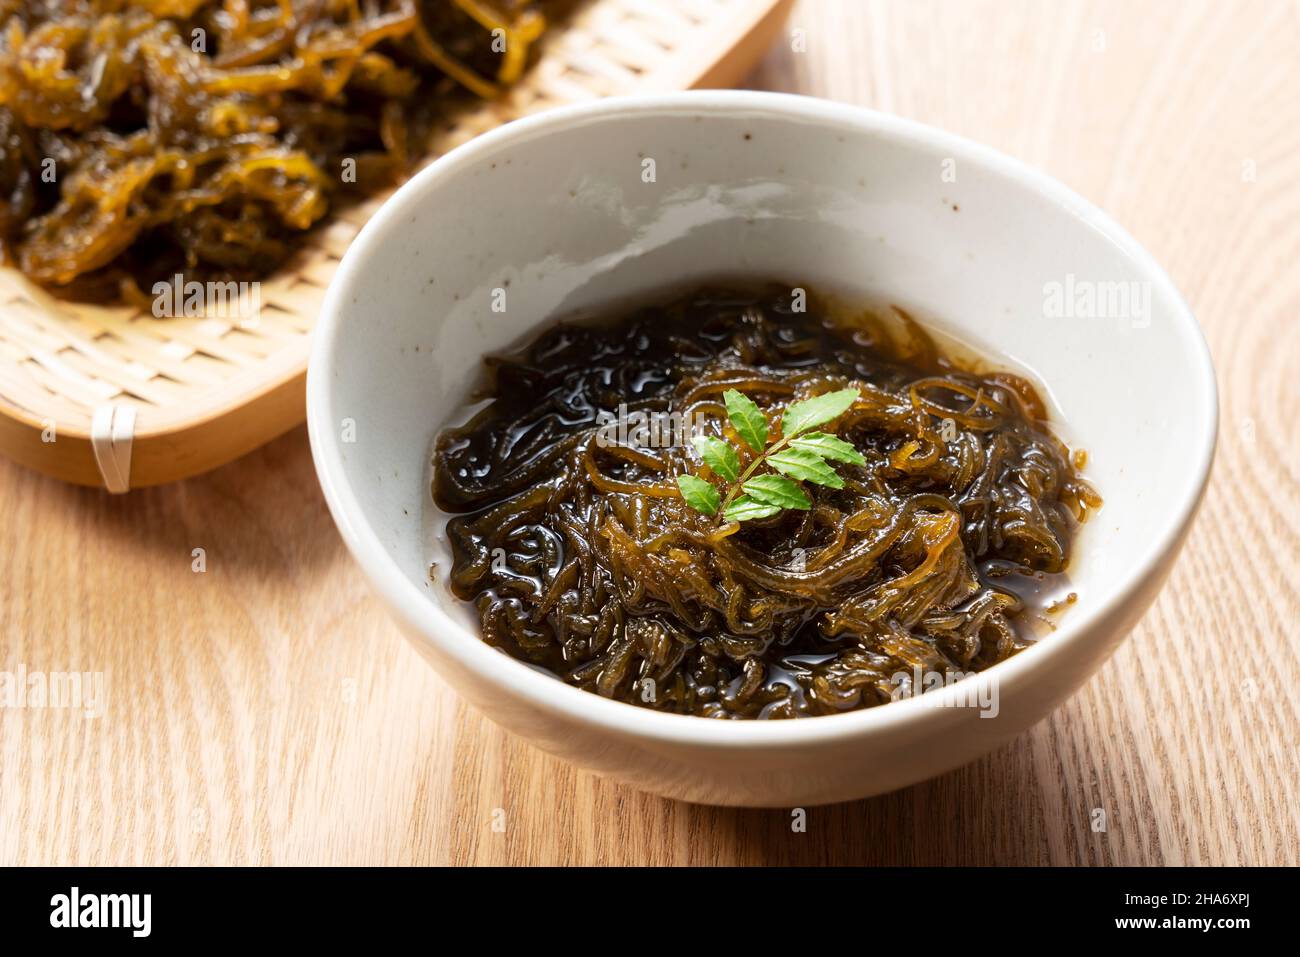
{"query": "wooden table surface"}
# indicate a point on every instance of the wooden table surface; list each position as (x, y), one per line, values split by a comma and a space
(265, 711)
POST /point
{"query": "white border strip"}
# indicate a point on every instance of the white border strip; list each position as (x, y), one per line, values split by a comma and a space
(112, 432)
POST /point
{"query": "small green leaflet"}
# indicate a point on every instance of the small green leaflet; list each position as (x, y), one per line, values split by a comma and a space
(699, 494)
(745, 509)
(777, 491)
(828, 447)
(748, 419)
(797, 456)
(805, 466)
(719, 456)
(810, 413)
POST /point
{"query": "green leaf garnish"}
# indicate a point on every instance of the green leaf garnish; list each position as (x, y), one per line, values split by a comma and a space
(797, 456)
(719, 456)
(699, 494)
(801, 416)
(777, 490)
(748, 419)
(745, 508)
(804, 466)
(828, 447)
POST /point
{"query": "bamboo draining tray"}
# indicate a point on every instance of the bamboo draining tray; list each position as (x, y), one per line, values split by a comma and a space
(203, 391)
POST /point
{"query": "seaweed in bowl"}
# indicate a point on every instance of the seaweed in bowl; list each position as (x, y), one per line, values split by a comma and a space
(748, 503)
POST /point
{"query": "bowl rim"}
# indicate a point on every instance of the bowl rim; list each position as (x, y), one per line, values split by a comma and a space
(524, 683)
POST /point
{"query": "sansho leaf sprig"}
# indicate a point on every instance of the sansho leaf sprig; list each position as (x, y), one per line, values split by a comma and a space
(799, 455)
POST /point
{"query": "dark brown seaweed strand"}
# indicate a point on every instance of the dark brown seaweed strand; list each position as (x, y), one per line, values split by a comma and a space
(141, 138)
(610, 581)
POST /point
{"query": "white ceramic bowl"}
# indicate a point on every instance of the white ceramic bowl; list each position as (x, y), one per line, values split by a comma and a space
(556, 210)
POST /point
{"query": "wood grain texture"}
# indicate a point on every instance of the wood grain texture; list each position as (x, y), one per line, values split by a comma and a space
(265, 711)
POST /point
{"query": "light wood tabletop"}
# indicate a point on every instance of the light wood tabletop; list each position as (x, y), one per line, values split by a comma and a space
(262, 709)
